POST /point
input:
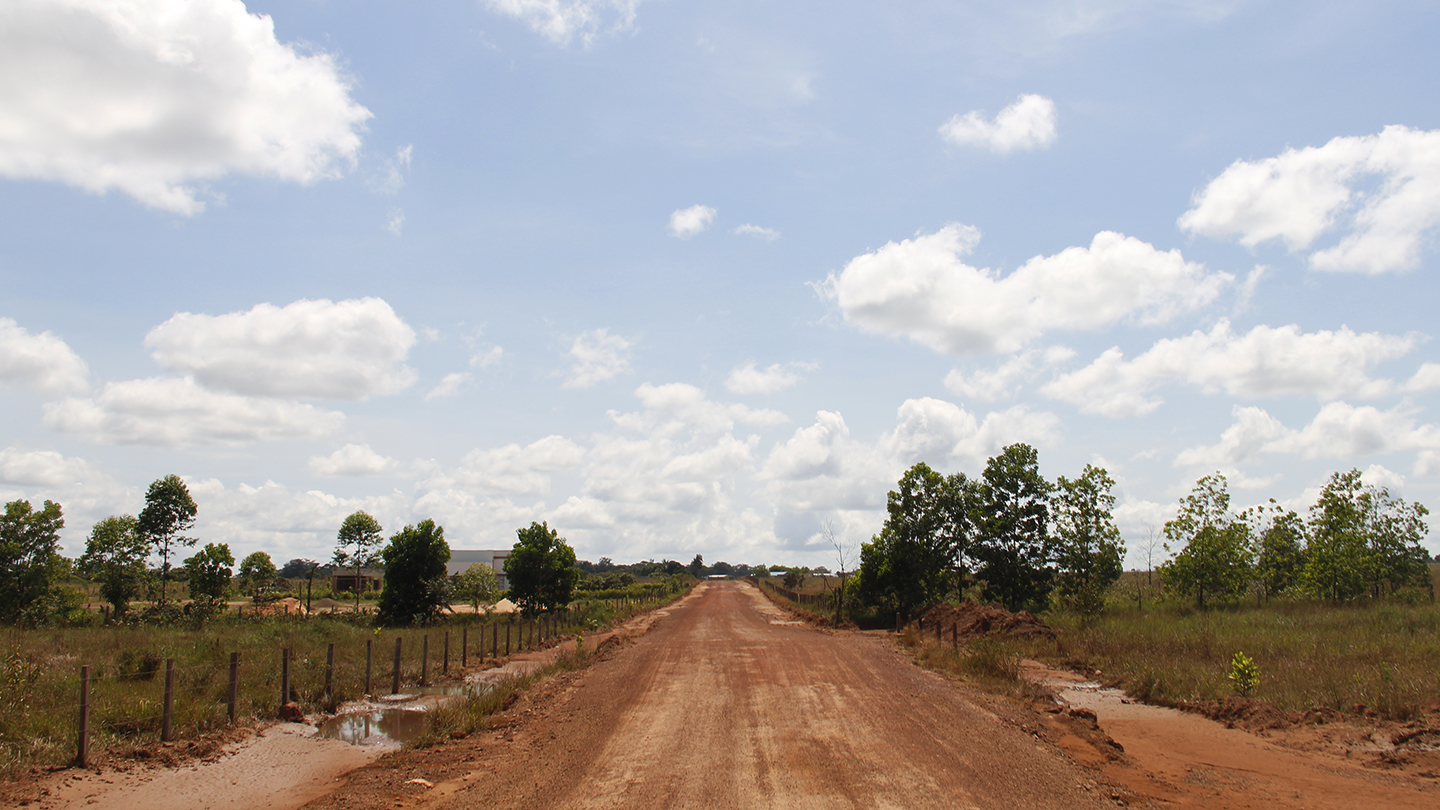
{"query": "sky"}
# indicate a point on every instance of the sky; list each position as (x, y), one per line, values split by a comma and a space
(684, 278)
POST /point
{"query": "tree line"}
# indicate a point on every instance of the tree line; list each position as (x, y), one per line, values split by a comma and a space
(1356, 541)
(1009, 536)
(541, 567)
(1014, 538)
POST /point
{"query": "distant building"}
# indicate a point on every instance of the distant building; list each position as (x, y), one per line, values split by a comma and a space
(462, 558)
(344, 579)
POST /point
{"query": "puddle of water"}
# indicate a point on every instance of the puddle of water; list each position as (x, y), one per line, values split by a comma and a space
(399, 723)
(475, 689)
(379, 727)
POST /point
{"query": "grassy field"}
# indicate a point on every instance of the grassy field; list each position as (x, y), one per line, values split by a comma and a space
(1383, 656)
(40, 673)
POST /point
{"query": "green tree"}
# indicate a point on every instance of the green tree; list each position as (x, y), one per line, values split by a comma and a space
(907, 565)
(1215, 556)
(1088, 548)
(1396, 528)
(29, 563)
(541, 569)
(1280, 547)
(697, 567)
(416, 588)
(358, 545)
(169, 511)
(257, 573)
(1012, 543)
(477, 584)
(208, 574)
(1338, 554)
(115, 556)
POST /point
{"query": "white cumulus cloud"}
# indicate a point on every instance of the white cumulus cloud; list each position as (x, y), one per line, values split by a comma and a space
(1338, 431)
(449, 385)
(1029, 123)
(45, 468)
(1266, 361)
(352, 459)
(921, 289)
(748, 379)
(171, 412)
(687, 222)
(155, 97)
(767, 234)
(43, 362)
(599, 356)
(1003, 381)
(1304, 194)
(562, 20)
(320, 349)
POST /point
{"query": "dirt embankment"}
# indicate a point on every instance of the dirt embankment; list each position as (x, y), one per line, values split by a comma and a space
(974, 620)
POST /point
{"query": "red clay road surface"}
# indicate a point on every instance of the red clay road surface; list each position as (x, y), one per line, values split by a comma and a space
(724, 703)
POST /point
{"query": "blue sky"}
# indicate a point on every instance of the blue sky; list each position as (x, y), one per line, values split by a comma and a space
(683, 278)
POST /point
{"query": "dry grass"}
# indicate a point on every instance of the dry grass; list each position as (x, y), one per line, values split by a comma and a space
(40, 674)
(1382, 656)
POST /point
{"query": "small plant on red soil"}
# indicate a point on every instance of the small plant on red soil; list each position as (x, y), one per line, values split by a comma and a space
(1244, 674)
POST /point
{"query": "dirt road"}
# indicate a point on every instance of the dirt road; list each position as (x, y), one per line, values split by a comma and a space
(726, 703)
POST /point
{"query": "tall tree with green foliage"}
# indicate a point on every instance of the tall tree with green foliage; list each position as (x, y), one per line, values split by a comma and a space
(478, 584)
(1280, 547)
(1363, 539)
(416, 588)
(257, 573)
(907, 566)
(30, 565)
(541, 569)
(169, 512)
(358, 545)
(697, 567)
(1396, 528)
(1012, 543)
(1088, 548)
(208, 574)
(1338, 553)
(1214, 558)
(115, 556)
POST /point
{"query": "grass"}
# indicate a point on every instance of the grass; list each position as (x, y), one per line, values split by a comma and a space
(40, 673)
(1382, 656)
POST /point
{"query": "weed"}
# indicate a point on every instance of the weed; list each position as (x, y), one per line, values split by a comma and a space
(1244, 675)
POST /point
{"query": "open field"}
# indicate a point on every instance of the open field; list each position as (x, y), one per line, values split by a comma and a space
(40, 672)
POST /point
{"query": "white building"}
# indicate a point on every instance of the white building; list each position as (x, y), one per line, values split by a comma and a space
(463, 558)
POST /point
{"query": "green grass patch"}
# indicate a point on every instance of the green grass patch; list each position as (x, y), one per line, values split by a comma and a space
(1383, 656)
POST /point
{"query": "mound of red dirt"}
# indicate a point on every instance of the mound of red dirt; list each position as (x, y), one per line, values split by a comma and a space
(975, 620)
(1246, 713)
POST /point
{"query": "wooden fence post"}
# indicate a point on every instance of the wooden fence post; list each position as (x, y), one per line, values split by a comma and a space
(494, 640)
(507, 638)
(445, 667)
(955, 636)
(284, 676)
(369, 652)
(234, 685)
(464, 645)
(82, 745)
(167, 723)
(424, 658)
(938, 627)
(329, 670)
(395, 680)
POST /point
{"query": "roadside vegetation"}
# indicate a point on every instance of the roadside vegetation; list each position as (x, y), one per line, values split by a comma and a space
(1330, 608)
(125, 608)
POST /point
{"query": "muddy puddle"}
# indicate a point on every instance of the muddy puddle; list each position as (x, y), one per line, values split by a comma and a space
(401, 719)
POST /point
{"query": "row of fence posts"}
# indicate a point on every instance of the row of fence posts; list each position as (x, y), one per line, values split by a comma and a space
(939, 630)
(546, 627)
